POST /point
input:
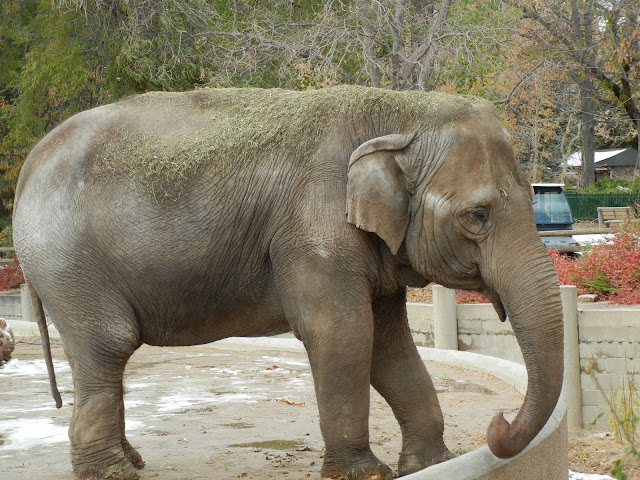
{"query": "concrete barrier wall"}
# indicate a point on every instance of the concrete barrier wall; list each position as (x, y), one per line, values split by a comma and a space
(478, 326)
(11, 306)
(610, 351)
(480, 330)
(545, 458)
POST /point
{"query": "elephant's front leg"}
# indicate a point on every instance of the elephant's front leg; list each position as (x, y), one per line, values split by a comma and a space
(399, 375)
(335, 324)
(340, 355)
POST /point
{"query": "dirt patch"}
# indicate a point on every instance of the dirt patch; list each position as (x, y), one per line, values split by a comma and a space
(597, 453)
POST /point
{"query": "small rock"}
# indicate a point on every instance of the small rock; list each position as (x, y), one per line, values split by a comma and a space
(588, 298)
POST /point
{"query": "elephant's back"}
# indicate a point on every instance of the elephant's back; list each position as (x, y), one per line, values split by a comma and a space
(147, 175)
(161, 141)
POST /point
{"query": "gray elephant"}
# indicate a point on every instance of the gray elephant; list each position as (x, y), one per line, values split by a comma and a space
(7, 341)
(185, 218)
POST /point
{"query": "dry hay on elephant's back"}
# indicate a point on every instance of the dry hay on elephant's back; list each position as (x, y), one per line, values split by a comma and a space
(163, 139)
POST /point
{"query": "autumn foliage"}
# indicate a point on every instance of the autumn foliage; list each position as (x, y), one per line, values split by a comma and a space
(10, 275)
(466, 296)
(610, 269)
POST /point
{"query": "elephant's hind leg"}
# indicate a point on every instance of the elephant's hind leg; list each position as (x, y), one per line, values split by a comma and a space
(399, 375)
(98, 355)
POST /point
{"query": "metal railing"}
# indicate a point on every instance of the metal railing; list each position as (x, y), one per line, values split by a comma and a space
(584, 206)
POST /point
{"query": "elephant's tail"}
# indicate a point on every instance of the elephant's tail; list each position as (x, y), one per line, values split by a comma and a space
(38, 312)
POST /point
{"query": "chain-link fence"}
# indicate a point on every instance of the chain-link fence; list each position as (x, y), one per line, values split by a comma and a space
(584, 206)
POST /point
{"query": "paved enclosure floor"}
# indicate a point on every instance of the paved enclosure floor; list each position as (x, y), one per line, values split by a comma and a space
(212, 412)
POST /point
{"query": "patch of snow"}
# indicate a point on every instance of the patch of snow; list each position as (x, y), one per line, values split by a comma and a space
(235, 397)
(48, 407)
(133, 425)
(588, 476)
(593, 239)
(31, 367)
(194, 398)
(133, 402)
(244, 383)
(131, 386)
(26, 433)
(298, 382)
(285, 361)
(192, 355)
(226, 371)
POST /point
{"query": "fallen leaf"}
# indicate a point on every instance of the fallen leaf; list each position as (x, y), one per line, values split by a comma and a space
(291, 402)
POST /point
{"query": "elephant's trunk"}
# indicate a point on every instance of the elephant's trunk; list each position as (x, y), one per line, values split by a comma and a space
(535, 312)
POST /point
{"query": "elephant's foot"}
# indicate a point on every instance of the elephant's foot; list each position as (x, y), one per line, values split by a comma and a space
(368, 468)
(132, 454)
(122, 469)
(412, 462)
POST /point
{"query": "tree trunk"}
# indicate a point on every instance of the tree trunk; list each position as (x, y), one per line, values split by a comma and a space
(535, 167)
(565, 147)
(587, 173)
(367, 47)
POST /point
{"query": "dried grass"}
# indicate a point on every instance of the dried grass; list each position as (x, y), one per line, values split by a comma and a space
(164, 138)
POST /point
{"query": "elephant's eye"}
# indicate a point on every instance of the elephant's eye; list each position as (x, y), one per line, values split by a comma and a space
(476, 220)
(480, 215)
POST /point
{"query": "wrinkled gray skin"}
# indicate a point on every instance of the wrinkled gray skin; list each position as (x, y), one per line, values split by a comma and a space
(7, 341)
(262, 246)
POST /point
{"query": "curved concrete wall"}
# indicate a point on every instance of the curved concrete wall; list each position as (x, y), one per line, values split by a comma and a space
(544, 459)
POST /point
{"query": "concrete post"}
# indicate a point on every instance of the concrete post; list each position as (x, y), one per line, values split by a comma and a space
(445, 321)
(571, 383)
(25, 303)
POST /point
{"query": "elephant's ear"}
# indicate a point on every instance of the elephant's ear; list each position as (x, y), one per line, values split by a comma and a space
(377, 199)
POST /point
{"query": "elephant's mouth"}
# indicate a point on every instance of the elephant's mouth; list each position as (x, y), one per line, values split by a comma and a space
(497, 303)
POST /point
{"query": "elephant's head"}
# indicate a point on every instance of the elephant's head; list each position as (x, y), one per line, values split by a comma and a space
(456, 200)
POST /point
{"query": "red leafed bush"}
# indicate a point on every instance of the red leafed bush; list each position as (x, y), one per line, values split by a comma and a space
(10, 275)
(611, 269)
(467, 296)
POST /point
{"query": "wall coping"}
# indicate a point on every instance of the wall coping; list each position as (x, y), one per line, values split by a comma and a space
(582, 307)
(481, 461)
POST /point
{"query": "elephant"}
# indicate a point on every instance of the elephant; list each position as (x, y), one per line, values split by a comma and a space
(7, 341)
(183, 218)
